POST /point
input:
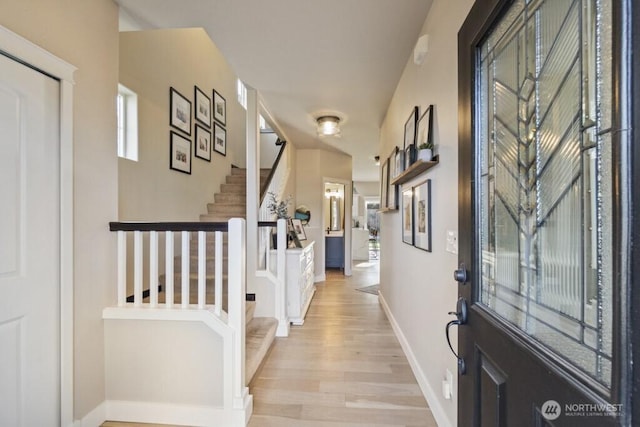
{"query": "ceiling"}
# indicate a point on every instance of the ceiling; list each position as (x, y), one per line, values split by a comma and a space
(306, 58)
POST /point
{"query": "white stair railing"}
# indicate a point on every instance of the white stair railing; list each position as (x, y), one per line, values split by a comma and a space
(226, 315)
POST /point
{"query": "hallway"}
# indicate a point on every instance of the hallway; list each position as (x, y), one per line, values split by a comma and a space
(344, 367)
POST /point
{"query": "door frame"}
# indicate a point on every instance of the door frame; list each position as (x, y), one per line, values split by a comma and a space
(33, 56)
(348, 200)
(626, 118)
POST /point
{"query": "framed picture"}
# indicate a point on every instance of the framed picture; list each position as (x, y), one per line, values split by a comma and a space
(422, 210)
(219, 108)
(425, 128)
(180, 111)
(203, 107)
(407, 216)
(180, 153)
(219, 139)
(203, 143)
(399, 160)
(410, 128)
(409, 156)
(384, 184)
(392, 191)
(298, 228)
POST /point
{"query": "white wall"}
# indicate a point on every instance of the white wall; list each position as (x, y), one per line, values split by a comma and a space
(416, 285)
(150, 63)
(85, 34)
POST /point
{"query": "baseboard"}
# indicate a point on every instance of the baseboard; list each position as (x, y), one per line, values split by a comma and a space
(179, 415)
(429, 394)
(320, 278)
(95, 418)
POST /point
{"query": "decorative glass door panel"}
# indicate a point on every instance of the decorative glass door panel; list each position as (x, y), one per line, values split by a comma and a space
(543, 129)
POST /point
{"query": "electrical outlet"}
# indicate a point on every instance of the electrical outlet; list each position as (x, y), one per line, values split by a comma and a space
(452, 241)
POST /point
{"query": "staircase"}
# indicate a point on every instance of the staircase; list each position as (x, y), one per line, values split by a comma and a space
(231, 202)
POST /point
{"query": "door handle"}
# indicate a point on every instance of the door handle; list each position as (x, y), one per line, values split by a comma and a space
(461, 319)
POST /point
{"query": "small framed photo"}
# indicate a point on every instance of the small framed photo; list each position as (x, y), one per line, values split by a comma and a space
(219, 139)
(410, 128)
(422, 210)
(392, 191)
(409, 156)
(407, 216)
(424, 134)
(203, 143)
(219, 108)
(180, 153)
(203, 107)
(180, 111)
(399, 160)
(298, 228)
(384, 185)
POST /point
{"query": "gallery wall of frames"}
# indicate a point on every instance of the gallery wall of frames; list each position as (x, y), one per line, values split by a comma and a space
(208, 130)
(405, 166)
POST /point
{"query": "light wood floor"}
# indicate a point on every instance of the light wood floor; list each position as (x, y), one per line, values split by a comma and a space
(343, 368)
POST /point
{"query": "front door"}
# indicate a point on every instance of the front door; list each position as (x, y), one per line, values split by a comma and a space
(29, 247)
(543, 207)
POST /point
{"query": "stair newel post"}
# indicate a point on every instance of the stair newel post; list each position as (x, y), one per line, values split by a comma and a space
(168, 262)
(236, 305)
(185, 270)
(122, 268)
(137, 268)
(218, 256)
(281, 287)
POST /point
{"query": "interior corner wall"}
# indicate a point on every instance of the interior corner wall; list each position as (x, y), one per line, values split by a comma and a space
(85, 34)
(417, 286)
(311, 167)
(151, 62)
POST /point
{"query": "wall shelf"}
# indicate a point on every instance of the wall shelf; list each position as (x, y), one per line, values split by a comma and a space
(383, 210)
(414, 170)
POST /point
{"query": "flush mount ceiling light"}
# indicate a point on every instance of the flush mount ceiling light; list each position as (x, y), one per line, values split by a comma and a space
(328, 125)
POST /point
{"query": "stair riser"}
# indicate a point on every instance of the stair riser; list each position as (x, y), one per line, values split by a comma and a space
(236, 179)
(226, 209)
(233, 188)
(239, 199)
(193, 265)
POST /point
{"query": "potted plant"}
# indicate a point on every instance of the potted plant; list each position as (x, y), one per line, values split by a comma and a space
(425, 151)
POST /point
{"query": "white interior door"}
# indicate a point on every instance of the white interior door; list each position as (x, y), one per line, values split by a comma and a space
(29, 247)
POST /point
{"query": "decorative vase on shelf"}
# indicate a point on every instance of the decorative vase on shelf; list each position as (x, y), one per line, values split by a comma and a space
(425, 154)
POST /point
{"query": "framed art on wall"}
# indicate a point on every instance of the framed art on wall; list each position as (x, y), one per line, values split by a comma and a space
(219, 139)
(298, 228)
(180, 153)
(410, 137)
(219, 108)
(384, 184)
(422, 218)
(203, 107)
(407, 216)
(392, 190)
(180, 111)
(203, 143)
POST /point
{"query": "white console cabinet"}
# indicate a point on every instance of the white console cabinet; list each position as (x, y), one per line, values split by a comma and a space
(300, 279)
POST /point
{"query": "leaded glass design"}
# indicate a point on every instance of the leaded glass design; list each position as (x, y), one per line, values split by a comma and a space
(544, 187)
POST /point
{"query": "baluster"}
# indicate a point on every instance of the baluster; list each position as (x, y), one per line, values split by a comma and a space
(185, 269)
(137, 260)
(218, 273)
(168, 280)
(153, 268)
(122, 268)
(202, 268)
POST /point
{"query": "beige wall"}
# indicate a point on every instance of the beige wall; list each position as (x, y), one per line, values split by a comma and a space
(312, 166)
(85, 34)
(150, 63)
(417, 285)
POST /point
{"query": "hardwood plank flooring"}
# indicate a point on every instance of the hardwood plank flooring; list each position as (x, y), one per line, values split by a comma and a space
(343, 368)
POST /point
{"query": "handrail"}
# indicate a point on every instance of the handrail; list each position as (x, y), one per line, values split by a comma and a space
(168, 226)
(263, 190)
